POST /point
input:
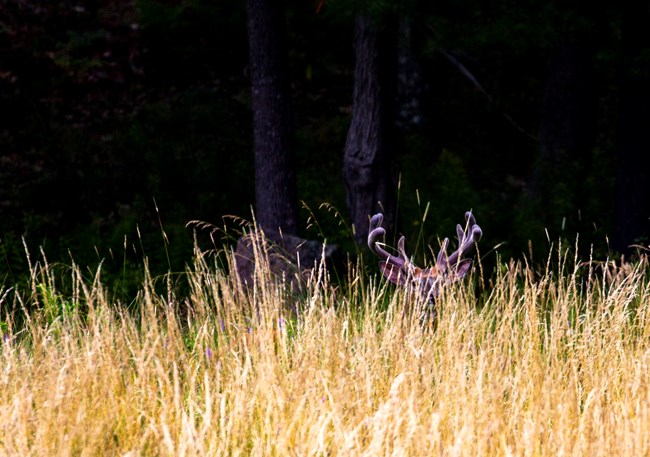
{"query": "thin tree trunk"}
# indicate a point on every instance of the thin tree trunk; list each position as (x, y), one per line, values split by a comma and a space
(275, 181)
(410, 87)
(632, 206)
(568, 105)
(368, 155)
(566, 133)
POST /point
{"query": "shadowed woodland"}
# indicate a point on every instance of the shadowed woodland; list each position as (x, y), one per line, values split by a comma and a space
(122, 121)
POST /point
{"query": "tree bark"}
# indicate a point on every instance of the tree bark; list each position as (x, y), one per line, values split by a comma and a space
(632, 205)
(410, 86)
(275, 180)
(567, 118)
(567, 131)
(367, 159)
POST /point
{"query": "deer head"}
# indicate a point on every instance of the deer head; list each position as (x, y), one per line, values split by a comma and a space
(427, 281)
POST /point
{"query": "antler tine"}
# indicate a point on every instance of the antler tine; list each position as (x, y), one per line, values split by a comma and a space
(373, 237)
(471, 227)
(460, 233)
(376, 221)
(466, 239)
(401, 250)
(441, 261)
(475, 231)
(471, 221)
(398, 269)
(377, 233)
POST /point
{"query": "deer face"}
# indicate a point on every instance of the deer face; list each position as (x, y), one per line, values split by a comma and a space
(426, 281)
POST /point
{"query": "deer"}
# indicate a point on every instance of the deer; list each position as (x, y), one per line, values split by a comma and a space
(288, 256)
(427, 282)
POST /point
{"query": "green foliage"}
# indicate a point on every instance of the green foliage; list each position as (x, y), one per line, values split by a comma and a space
(76, 56)
(4, 330)
(55, 306)
(453, 189)
(13, 264)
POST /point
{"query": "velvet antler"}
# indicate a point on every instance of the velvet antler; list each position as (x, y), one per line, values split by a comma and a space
(427, 281)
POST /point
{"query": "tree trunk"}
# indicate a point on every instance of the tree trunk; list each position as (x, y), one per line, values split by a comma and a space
(566, 133)
(410, 80)
(568, 104)
(275, 181)
(368, 153)
(632, 205)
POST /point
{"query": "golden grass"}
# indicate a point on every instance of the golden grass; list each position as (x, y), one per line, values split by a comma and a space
(551, 364)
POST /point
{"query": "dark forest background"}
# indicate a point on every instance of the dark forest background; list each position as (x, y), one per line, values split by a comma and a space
(121, 121)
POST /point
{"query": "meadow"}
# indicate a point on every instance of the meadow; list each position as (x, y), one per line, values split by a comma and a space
(532, 361)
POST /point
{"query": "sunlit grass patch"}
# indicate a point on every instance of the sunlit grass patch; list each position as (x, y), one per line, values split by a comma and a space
(544, 362)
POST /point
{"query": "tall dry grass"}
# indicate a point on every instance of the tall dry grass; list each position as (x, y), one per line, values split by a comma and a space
(551, 363)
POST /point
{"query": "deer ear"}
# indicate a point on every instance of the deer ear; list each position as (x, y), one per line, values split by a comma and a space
(392, 273)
